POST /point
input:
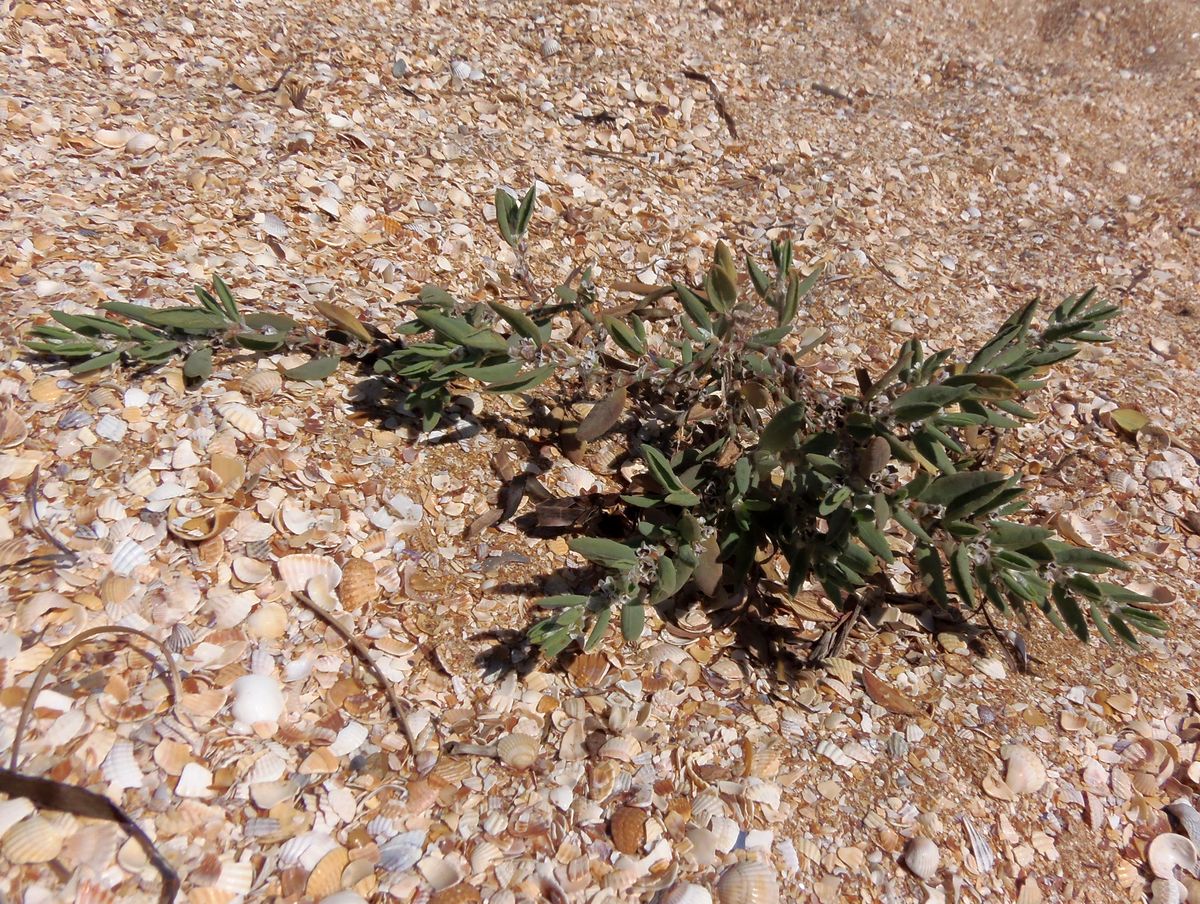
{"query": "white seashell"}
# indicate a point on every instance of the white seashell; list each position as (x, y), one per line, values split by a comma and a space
(574, 480)
(517, 750)
(236, 878)
(194, 781)
(229, 608)
(686, 893)
(460, 69)
(267, 622)
(485, 856)
(267, 794)
(1189, 820)
(922, 856)
(835, 754)
(262, 383)
(748, 882)
(725, 833)
(1167, 891)
(13, 811)
(402, 852)
(128, 557)
(140, 142)
(242, 418)
(251, 571)
(439, 872)
(349, 739)
(1025, 773)
(297, 570)
(120, 768)
(623, 748)
(257, 698)
(707, 805)
(180, 638)
(111, 428)
(306, 849)
(345, 896)
(33, 840)
(1168, 851)
(267, 768)
(320, 591)
(550, 47)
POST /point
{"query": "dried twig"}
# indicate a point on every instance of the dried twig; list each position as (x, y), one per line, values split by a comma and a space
(40, 678)
(271, 90)
(615, 155)
(66, 555)
(399, 708)
(54, 795)
(832, 92)
(718, 99)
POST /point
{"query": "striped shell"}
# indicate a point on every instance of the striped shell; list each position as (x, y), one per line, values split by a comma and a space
(297, 570)
(32, 840)
(922, 857)
(359, 585)
(748, 882)
(686, 893)
(326, 877)
(262, 383)
(517, 750)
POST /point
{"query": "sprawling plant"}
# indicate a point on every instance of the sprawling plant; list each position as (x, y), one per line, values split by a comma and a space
(147, 336)
(756, 474)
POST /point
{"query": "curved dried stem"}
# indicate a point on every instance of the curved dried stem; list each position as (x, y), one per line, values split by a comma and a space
(44, 672)
(399, 708)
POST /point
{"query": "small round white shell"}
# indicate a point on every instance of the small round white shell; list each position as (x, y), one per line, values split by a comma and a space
(922, 856)
(257, 698)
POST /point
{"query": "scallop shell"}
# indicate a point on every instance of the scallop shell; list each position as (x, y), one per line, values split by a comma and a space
(686, 893)
(32, 840)
(922, 856)
(262, 383)
(589, 669)
(120, 768)
(439, 872)
(267, 768)
(13, 811)
(267, 622)
(116, 589)
(1168, 851)
(359, 585)
(242, 418)
(257, 698)
(623, 748)
(835, 754)
(1025, 773)
(628, 829)
(194, 781)
(226, 472)
(13, 430)
(128, 557)
(297, 570)
(236, 878)
(180, 638)
(326, 877)
(748, 882)
(484, 857)
(517, 750)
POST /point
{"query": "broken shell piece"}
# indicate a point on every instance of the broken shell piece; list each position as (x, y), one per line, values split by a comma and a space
(922, 857)
(748, 882)
(686, 893)
(262, 383)
(517, 750)
(1167, 891)
(1168, 851)
(297, 570)
(628, 828)
(326, 877)
(257, 698)
(267, 622)
(189, 521)
(1025, 773)
(359, 584)
(251, 571)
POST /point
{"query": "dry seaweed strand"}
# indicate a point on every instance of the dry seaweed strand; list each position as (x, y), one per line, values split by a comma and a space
(44, 672)
(399, 709)
(55, 795)
(718, 99)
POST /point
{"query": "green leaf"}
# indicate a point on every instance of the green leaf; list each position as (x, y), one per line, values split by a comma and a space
(758, 277)
(684, 498)
(209, 302)
(227, 301)
(770, 338)
(923, 401)
(875, 540)
(316, 369)
(436, 296)
(780, 433)
(528, 380)
(259, 342)
(603, 617)
(984, 385)
(949, 489)
(87, 325)
(665, 584)
(525, 211)
(199, 363)
(98, 363)
(519, 321)
(625, 337)
(661, 470)
(506, 207)
(960, 572)
(602, 551)
(633, 620)
(268, 321)
(562, 601)
(491, 373)
(195, 320)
